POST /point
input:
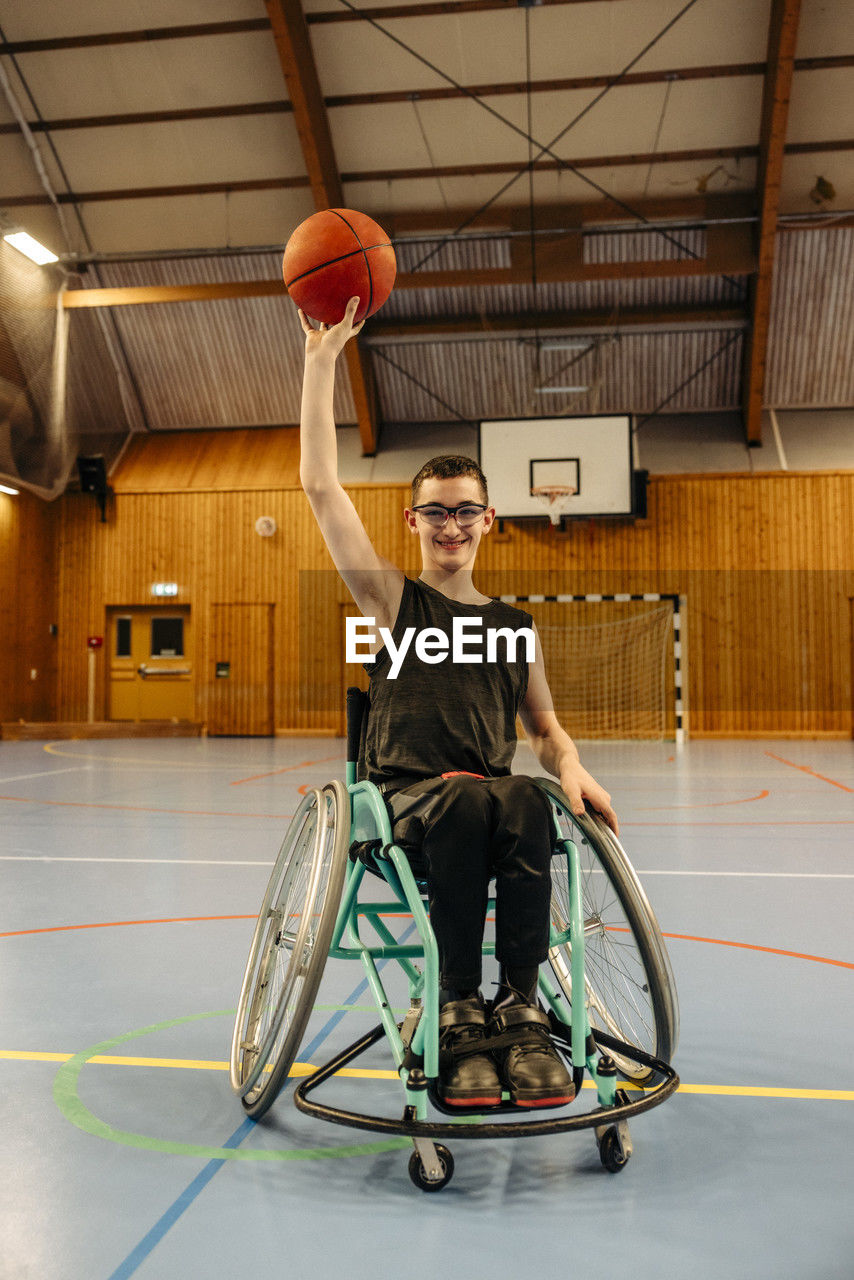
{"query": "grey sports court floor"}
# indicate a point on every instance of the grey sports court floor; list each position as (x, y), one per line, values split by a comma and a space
(132, 871)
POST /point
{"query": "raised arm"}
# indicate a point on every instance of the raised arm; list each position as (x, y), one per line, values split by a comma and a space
(374, 582)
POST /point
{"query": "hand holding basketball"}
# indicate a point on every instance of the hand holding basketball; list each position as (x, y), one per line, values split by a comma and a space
(330, 339)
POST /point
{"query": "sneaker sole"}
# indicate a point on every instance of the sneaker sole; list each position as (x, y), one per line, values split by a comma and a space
(559, 1100)
(492, 1101)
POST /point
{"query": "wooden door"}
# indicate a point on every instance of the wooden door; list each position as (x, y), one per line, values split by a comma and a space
(150, 663)
(240, 682)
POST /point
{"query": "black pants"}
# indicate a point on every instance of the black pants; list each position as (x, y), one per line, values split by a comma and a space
(461, 832)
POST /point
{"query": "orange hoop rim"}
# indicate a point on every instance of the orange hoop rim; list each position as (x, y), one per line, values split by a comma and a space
(553, 491)
(554, 496)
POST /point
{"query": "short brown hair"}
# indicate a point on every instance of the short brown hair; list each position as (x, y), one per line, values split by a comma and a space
(447, 466)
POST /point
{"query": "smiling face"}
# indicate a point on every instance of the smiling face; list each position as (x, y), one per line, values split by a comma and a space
(450, 547)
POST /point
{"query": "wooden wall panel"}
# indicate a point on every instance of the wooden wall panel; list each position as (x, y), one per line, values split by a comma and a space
(240, 458)
(27, 608)
(766, 563)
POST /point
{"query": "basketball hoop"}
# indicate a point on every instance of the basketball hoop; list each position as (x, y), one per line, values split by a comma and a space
(555, 497)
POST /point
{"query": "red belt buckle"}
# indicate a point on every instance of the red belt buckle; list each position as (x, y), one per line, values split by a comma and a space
(463, 773)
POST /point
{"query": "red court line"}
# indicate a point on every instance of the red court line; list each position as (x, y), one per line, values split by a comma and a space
(118, 924)
(138, 808)
(708, 804)
(804, 768)
(224, 813)
(751, 946)
(395, 915)
(303, 764)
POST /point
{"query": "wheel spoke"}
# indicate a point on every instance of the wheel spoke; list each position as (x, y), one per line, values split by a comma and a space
(628, 987)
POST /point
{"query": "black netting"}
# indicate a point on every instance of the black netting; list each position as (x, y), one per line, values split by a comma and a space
(60, 393)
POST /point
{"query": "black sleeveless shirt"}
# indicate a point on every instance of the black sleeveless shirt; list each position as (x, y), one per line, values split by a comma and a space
(440, 716)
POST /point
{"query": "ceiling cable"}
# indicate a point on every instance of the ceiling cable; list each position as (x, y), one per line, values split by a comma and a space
(546, 149)
(670, 80)
(682, 385)
(537, 370)
(469, 422)
(479, 305)
(38, 162)
(543, 150)
(414, 100)
(129, 391)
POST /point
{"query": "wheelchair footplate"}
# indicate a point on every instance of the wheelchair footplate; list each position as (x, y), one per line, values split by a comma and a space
(431, 1164)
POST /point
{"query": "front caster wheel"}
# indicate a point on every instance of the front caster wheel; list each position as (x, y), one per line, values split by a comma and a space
(418, 1173)
(612, 1153)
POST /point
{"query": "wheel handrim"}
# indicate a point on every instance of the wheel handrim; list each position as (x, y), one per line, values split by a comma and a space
(268, 975)
(626, 998)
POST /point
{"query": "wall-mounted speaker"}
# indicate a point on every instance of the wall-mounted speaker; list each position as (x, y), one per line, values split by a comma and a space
(639, 484)
(93, 479)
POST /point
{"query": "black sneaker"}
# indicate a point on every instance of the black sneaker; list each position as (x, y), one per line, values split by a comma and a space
(532, 1071)
(467, 1078)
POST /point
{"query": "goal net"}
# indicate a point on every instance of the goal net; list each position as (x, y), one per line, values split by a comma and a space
(614, 663)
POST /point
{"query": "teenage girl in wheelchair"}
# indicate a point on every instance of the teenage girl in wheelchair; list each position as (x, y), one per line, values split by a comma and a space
(431, 803)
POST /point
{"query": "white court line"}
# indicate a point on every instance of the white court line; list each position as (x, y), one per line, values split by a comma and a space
(766, 875)
(45, 773)
(242, 862)
(188, 862)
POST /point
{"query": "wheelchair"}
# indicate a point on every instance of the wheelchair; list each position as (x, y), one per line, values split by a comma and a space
(608, 988)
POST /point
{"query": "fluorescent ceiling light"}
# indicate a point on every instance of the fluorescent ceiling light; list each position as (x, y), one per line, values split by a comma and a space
(548, 391)
(4, 488)
(31, 248)
(567, 346)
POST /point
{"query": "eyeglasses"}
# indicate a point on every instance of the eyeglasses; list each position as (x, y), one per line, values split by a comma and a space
(465, 514)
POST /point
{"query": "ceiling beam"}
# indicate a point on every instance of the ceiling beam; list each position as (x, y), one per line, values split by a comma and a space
(782, 39)
(583, 215)
(729, 252)
(148, 35)
(280, 106)
(426, 9)
(526, 323)
(293, 44)
(705, 154)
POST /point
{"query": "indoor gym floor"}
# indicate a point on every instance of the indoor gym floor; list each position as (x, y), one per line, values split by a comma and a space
(132, 872)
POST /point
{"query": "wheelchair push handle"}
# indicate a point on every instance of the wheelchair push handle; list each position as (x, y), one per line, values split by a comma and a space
(357, 705)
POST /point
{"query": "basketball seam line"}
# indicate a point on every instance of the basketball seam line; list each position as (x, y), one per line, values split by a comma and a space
(340, 215)
(386, 244)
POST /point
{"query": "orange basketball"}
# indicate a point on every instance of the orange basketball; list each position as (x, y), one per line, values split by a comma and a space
(336, 255)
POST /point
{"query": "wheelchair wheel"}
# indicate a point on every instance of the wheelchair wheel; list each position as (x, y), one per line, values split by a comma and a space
(290, 946)
(629, 985)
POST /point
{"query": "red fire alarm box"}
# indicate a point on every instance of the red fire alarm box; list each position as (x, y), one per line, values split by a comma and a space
(95, 642)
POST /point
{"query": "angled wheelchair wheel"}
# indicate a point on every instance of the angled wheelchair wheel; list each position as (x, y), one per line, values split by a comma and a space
(629, 985)
(290, 946)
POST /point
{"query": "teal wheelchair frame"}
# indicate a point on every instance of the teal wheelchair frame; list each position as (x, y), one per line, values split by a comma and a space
(605, 943)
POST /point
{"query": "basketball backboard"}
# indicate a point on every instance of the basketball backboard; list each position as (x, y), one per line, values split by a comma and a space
(593, 455)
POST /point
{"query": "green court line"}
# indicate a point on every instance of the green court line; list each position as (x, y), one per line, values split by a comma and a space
(354, 1008)
(67, 1098)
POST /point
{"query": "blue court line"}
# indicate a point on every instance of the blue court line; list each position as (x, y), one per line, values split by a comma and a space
(190, 1193)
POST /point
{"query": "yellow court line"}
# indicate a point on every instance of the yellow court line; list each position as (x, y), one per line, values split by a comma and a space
(366, 1073)
(185, 1064)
